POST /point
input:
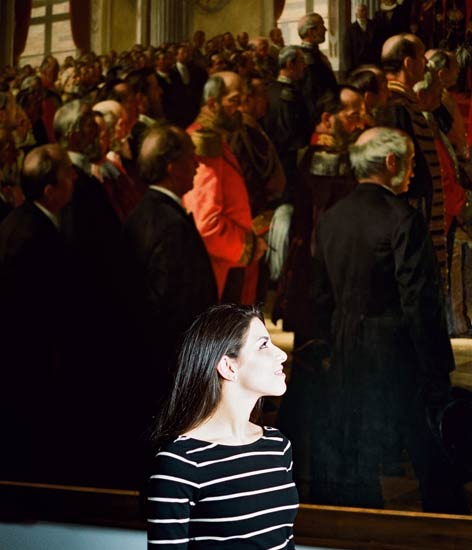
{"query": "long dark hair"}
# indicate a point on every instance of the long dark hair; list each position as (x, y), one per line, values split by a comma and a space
(220, 330)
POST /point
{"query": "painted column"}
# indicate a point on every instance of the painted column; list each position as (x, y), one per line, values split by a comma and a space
(170, 20)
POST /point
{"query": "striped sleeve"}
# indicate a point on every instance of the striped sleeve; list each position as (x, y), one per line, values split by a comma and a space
(172, 492)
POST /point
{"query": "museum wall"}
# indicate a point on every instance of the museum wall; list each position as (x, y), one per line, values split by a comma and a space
(253, 16)
(114, 22)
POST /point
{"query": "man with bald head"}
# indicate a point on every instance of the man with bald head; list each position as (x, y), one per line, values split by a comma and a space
(36, 309)
(379, 311)
(219, 200)
(403, 60)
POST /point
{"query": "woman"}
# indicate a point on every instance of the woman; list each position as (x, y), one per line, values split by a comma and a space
(219, 480)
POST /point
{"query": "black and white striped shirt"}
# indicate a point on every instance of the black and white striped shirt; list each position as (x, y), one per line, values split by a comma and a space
(205, 495)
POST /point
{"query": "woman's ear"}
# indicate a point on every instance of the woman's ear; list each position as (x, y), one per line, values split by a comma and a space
(226, 368)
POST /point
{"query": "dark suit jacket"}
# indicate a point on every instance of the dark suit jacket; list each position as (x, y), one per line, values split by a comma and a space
(35, 324)
(184, 100)
(288, 126)
(318, 79)
(91, 229)
(32, 264)
(359, 45)
(390, 23)
(169, 282)
(377, 287)
(92, 234)
(5, 209)
(376, 272)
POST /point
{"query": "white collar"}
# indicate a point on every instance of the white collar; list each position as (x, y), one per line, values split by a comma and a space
(48, 213)
(390, 7)
(80, 160)
(167, 192)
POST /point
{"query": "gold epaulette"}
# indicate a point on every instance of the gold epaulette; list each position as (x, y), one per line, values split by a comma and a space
(207, 143)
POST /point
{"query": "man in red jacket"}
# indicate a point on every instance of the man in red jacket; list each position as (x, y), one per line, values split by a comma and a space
(219, 200)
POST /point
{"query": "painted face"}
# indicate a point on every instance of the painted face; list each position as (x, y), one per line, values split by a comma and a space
(419, 63)
(228, 41)
(401, 181)
(243, 39)
(261, 102)
(262, 48)
(319, 31)
(90, 137)
(260, 369)
(361, 12)
(103, 135)
(231, 102)
(351, 114)
(183, 54)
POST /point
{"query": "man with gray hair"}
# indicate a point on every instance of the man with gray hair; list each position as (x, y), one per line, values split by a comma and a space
(379, 312)
(319, 76)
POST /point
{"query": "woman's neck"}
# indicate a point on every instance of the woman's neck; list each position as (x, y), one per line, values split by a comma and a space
(229, 424)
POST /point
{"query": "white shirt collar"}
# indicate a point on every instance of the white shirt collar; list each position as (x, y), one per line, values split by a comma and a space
(80, 160)
(167, 192)
(48, 213)
(165, 76)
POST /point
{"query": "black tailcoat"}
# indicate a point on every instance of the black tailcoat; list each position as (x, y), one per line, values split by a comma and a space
(359, 45)
(376, 285)
(35, 324)
(169, 282)
(318, 79)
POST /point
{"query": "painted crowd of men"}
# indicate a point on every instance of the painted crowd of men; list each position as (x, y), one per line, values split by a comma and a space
(155, 202)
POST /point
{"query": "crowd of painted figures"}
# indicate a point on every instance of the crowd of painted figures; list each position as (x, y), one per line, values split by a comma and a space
(102, 269)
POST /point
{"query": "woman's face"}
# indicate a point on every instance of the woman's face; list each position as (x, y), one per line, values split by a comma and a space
(260, 369)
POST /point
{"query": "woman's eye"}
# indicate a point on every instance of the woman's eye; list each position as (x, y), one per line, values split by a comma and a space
(264, 344)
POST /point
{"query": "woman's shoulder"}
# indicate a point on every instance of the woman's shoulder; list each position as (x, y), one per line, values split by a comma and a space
(183, 454)
(274, 435)
(183, 445)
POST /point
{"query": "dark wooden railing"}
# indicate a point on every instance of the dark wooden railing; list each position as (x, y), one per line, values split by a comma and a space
(326, 526)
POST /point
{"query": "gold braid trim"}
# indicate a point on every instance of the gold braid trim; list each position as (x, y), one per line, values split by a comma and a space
(248, 249)
(207, 143)
(261, 223)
